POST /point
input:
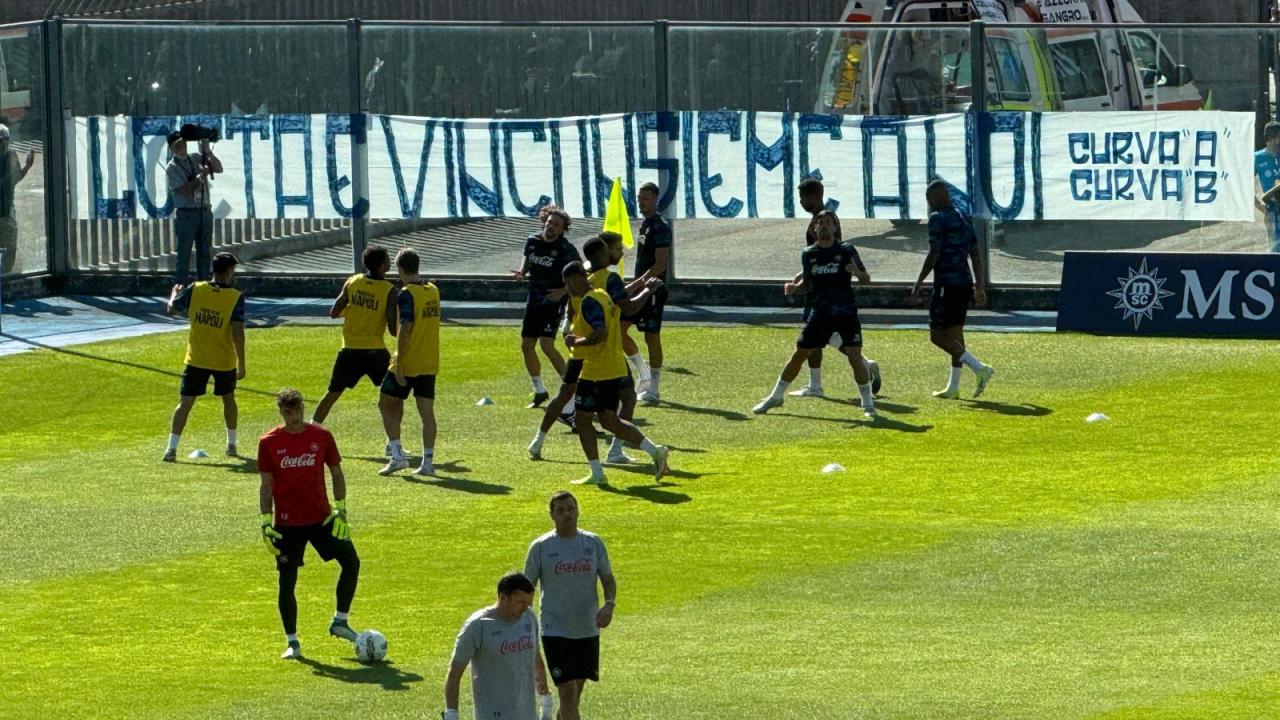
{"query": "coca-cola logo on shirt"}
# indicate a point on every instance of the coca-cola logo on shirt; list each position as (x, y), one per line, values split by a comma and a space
(307, 460)
(583, 565)
(515, 646)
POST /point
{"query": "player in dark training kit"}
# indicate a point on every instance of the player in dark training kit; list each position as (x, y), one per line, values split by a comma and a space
(291, 463)
(828, 269)
(653, 254)
(366, 305)
(812, 196)
(545, 256)
(952, 246)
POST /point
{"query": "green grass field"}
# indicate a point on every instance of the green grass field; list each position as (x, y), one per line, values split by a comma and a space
(977, 560)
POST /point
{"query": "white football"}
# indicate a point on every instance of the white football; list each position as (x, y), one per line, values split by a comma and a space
(371, 646)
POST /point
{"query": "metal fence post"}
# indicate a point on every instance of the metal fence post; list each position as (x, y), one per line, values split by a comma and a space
(984, 226)
(662, 104)
(55, 167)
(359, 147)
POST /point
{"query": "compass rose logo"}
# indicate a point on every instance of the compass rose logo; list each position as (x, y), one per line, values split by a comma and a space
(1139, 294)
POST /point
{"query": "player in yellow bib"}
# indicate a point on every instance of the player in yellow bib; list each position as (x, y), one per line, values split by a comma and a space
(414, 364)
(596, 333)
(368, 310)
(601, 251)
(215, 347)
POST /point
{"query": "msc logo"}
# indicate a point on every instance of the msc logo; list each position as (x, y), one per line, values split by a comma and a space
(1139, 294)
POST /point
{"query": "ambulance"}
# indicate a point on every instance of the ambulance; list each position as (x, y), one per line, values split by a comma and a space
(1038, 58)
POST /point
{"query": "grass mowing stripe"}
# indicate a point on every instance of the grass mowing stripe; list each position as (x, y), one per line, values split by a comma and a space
(124, 547)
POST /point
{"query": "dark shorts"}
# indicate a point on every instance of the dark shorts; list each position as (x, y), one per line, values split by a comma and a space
(648, 319)
(949, 305)
(572, 658)
(353, 364)
(602, 395)
(422, 386)
(572, 370)
(293, 545)
(542, 318)
(820, 326)
(195, 380)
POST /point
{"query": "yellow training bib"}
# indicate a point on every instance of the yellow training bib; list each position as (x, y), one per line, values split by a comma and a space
(423, 354)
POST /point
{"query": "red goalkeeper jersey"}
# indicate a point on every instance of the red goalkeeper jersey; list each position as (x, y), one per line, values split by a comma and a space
(296, 463)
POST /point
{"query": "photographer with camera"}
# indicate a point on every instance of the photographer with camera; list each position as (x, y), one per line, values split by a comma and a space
(189, 175)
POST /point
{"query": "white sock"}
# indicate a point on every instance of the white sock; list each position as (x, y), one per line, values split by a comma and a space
(780, 389)
(647, 445)
(597, 470)
(396, 452)
(537, 439)
(173, 441)
(428, 454)
(291, 638)
(231, 436)
(655, 374)
(538, 387)
(815, 377)
(340, 616)
(642, 368)
(568, 407)
(868, 402)
(953, 385)
(971, 362)
(615, 447)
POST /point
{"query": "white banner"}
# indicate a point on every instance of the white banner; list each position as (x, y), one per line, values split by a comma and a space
(1050, 166)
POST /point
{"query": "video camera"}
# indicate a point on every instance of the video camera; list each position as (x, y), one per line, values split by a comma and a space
(192, 131)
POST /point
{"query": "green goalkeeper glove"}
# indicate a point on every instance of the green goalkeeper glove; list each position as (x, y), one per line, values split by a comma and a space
(338, 517)
(269, 534)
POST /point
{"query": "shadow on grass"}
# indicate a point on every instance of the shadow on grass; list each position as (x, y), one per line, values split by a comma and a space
(652, 493)
(1018, 409)
(885, 423)
(122, 363)
(385, 674)
(642, 466)
(475, 487)
(882, 403)
(678, 371)
(686, 450)
(247, 466)
(696, 410)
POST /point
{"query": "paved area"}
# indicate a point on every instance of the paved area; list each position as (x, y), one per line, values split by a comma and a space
(769, 249)
(66, 321)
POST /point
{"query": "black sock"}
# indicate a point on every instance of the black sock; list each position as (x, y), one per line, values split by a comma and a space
(348, 579)
(287, 603)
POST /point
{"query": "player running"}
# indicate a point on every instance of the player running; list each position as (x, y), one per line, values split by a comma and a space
(367, 307)
(952, 246)
(414, 365)
(545, 255)
(500, 643)
(596, 331)
(602, 251)
(291, 462)
(653, 255)
(827, 275)
(215, 348)
(567, 561)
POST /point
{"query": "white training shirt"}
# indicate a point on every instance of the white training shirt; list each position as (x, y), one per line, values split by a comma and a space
(502, 655)
(566, 570)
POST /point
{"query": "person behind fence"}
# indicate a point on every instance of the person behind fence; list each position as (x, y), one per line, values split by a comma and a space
(188, 175)
(1266, 166)
(11, 173)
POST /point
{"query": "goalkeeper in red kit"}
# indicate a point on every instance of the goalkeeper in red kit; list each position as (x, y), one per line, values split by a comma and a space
(291, 461)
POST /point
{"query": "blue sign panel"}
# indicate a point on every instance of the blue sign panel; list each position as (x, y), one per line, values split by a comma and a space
(1198, 294)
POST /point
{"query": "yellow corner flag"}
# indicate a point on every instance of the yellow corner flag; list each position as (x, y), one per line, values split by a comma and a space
(617, 220)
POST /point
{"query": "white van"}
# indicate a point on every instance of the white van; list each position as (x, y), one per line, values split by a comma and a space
(1052, 66)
